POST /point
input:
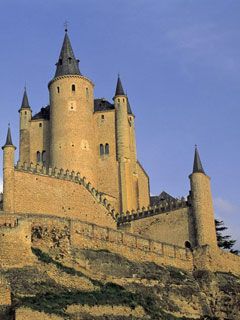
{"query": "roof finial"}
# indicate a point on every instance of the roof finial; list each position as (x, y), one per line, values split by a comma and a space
(66, 26)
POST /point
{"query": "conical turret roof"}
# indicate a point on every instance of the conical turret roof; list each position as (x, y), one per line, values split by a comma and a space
(129, 110)
(25, 102)
(119, 88)
(197, 164)
(67, 63)
(8, 139)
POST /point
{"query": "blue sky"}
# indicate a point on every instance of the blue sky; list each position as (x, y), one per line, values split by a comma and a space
(179, 62)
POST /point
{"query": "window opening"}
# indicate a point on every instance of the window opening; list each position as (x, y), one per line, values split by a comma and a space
(73, 87)
(101, 150)
(106, 148)
(38, 156)
(44, 158)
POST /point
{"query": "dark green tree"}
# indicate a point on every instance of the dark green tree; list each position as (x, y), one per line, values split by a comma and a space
(224, 241)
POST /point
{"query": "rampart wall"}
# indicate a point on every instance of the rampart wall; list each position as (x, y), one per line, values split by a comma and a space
(46, 191)
(91, 236)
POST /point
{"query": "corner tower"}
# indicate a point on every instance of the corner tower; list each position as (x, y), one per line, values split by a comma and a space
(8, 174)
(72, 143)
(202, 204)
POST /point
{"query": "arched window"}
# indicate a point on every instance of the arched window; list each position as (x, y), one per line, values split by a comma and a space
(101, 149)
(106, 148)
(58, 89)
(38, 156)
(70, 60)
(44, 157)
(73, 87)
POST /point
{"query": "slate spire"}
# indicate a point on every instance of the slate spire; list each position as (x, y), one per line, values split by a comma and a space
(119, 88)
(197, 164)
(9, 138)
(25, 103)
(67, 63)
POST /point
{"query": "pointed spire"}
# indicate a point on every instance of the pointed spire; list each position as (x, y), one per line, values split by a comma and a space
(119, 88)
(9, 138)
(25, 103)
(67, 63)
(197, 165)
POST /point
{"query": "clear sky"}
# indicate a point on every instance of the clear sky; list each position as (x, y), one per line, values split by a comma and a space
(179, 62)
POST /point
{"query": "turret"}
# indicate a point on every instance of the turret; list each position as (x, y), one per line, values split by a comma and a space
(72, 143)
(126, 154)
(121, 107)
(8, 174)
(202, 205)
(25, 118)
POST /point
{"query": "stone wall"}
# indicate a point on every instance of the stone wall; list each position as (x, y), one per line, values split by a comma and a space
(15, 244)
(143, 187)
(61, 194)
(215, 259)
(174, 227)
(107, 173)
(39, 139)
(133, 247)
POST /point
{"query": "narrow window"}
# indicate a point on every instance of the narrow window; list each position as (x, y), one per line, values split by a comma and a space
(70, 60)
(60, 62)
(102, 116)
(118, 100)
(38, 156)
(25, 112)
(58, 89)
(101, 150)
(123, 100)
(73, 87)
(87, 93)
(106, 148)
(44, 157)
(40, 125)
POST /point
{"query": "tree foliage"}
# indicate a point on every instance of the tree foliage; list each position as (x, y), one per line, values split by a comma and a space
(224, 241)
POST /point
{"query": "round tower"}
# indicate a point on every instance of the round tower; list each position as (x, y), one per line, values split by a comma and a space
(71, 114)
(202, 204)
(8, 174)
(123, 148)
(25, 121)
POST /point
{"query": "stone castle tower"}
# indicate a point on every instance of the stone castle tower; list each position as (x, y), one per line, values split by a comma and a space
(87, 135)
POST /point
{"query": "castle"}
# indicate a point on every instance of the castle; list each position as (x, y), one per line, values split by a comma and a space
(78, 168)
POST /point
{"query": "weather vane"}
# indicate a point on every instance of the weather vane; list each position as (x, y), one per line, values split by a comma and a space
(66, 25)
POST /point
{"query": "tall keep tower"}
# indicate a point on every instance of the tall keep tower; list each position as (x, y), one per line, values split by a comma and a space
(72, 143)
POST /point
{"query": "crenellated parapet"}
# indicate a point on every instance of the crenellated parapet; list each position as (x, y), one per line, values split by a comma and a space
(67, 175)
(165, 207)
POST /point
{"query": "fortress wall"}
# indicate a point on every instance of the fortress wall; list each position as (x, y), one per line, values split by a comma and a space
(92, 236)
(40, 194)
(107, 164)
(15, 245)
(143, 187)
(216, 259)
(174, 227)
(133, 247)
